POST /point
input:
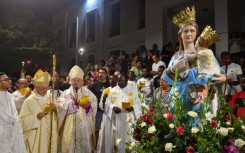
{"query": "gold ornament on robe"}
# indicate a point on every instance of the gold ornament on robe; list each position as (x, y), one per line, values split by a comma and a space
(107, 91)
(185, 16)
(84, 100)
(25, 90)
(210, 37)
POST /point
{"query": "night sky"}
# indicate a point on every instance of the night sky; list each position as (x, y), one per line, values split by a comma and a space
(10, 61)
(43, 9)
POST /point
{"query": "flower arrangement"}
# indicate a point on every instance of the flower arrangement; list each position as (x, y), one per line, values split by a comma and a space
(173, 131)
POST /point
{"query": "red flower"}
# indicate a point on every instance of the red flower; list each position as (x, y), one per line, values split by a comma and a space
(150, 137)
(227, 118)
(137, 130)
(152, 111)
(150, 120)
(138, 137)
(190, 150)
(213, 124)
(180, 131)
(143, 116)
(170, 117)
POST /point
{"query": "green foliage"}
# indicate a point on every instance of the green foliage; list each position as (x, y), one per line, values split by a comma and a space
(175, 133)
(20, 30)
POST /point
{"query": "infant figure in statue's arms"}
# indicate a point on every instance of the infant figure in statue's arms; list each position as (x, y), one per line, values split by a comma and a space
(206, 61)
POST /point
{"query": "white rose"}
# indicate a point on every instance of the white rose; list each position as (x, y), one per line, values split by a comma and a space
(194, 130)
(209, 116)
(171, 126)
(152, 129)
(118, 141)
(129, 119)
(143, 124)
(239, 143)
(228, 123)
(169, 147)
(165, 115)
(223, 131)
(132, 144)
(192, 114)
(130, 124)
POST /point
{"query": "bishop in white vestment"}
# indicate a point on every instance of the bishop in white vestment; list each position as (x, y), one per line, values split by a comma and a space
(77, 110)
(39, 119)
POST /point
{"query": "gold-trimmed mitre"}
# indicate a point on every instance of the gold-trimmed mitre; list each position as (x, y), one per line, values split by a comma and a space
(42, 78)
(76, 72)
(185, 16)
(210, 37)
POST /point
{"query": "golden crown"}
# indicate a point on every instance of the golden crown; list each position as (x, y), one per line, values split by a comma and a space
(210, 37)
(185, 16)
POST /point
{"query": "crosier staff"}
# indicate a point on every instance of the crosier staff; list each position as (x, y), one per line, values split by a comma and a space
(52, 102)
(53, 77)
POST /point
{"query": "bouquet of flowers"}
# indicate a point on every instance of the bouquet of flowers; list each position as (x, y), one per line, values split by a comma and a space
(173, 131)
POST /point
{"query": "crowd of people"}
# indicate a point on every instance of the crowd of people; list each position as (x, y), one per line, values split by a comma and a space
(87, 111)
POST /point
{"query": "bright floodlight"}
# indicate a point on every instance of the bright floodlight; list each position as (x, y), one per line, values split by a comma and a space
(81, 51)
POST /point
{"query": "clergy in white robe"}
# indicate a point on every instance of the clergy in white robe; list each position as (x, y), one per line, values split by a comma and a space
(39, 118)
(11, 134)
(77, 110)
(105, 143)
(119, 112)
(21, 93)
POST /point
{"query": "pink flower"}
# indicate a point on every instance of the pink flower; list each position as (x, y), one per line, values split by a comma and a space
(213, 124)
(170, 117)
(190, 149)
(180, 131)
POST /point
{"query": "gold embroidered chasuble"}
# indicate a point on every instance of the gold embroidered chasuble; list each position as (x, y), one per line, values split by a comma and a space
(40, 135)
(121, 129)
(76, 128)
